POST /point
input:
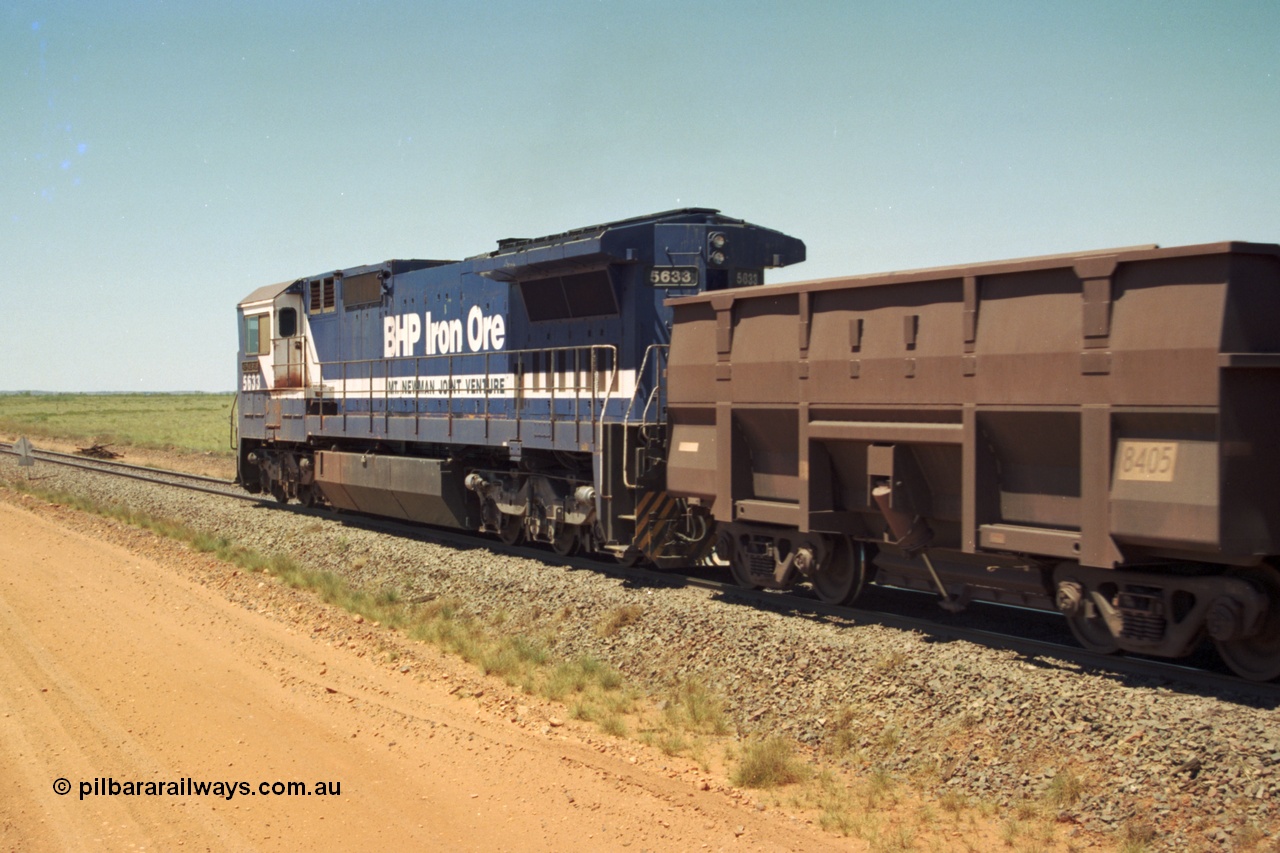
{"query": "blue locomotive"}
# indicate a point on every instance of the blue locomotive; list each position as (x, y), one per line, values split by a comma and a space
(519, 391)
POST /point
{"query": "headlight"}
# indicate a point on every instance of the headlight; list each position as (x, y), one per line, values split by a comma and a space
(716, 241)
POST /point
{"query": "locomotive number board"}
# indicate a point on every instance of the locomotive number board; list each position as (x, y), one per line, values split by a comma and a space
(673, 276)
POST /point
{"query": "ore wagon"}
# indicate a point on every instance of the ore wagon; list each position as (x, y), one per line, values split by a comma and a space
(1091, 433)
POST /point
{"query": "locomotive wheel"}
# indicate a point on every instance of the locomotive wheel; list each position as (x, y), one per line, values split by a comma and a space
(566, 540)
(1257, 658)
(278, 492)
(511, 529)
(841, 578)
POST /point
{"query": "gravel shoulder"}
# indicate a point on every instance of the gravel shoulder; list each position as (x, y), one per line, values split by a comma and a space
(1102, 756)
(168, 666)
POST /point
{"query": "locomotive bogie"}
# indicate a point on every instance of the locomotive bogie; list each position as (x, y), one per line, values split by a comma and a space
(560, 511)
(763, 556)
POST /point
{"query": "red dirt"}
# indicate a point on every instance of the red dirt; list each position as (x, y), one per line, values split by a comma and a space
(127, 657)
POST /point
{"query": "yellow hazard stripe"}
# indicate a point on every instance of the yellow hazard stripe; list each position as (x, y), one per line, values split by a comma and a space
(654, 508)
(645, 500)
(704, 553)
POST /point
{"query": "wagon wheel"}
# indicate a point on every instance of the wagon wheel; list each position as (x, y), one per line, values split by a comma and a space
(1083, 612)
(511, 529)
(1257, 658)
(565, 541)
(1091, 631)
(841, 577)
(1090, 628)
(727, 549)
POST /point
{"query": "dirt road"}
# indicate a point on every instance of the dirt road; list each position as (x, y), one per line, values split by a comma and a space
(141, 662)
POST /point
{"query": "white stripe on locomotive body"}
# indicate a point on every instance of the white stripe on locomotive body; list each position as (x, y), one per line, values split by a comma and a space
(567, 386)
(403, 331)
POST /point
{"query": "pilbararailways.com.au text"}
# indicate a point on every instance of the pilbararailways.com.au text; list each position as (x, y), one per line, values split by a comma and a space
(188, 787)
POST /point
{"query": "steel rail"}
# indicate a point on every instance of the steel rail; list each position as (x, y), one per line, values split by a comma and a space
(141, 473)
(6, 447)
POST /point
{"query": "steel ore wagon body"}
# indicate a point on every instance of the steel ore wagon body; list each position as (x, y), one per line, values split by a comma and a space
(1092, 433)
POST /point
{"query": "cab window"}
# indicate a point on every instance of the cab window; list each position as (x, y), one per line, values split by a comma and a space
(287, 322)
(257, 334)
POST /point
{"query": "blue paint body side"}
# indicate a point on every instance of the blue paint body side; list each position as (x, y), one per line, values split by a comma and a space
(535, 345)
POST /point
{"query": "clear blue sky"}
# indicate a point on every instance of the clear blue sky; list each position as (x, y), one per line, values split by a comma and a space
(160, 160)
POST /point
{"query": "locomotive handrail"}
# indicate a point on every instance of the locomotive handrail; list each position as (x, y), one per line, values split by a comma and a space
(586, 383)
(644, 363)
(644, 413)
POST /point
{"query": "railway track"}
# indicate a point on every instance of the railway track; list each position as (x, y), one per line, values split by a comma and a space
(162, 476)
(944, 627)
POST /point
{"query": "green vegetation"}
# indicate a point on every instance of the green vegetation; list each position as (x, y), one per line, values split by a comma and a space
(1064, 790)
(617, 619)
(195, 422)
(769, 763)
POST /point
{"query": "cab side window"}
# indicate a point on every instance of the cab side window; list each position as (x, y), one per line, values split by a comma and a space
(257, 335)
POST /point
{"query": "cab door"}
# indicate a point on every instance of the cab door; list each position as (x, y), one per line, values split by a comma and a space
(289, 346)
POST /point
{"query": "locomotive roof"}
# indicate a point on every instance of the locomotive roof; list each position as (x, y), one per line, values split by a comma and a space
(395, 267)
(567, 250)
(699, 215)
(268, 292)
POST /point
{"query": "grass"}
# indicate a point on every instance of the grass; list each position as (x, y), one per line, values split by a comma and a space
(194, 422)
(691, 707)
(1064, 790)
(843, 731)
(689, 718)
(769, 763)
(954, 802)
(617, 619)
(1137, 837)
